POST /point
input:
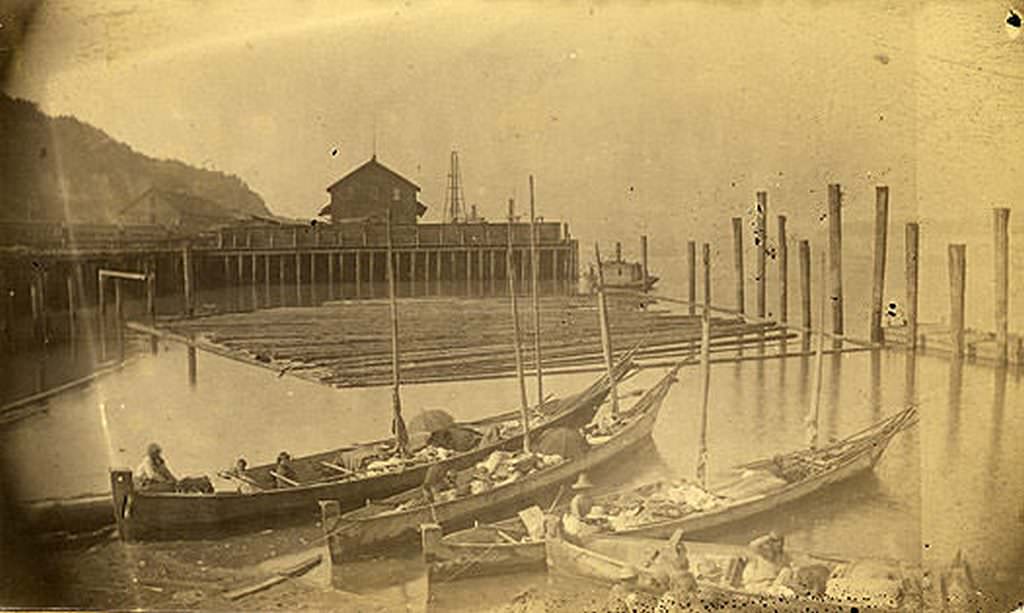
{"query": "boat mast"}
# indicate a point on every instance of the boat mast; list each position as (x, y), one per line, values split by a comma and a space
(398, 423)
(524, 407)
(705, 367)
(535, 270)
(815, 408)
(606, 337)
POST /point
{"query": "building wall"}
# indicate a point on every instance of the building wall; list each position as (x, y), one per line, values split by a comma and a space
(369, 193)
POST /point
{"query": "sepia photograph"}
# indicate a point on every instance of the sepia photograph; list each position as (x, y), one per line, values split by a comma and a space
(606, 306)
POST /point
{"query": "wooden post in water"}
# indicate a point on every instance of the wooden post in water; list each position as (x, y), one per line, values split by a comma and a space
(101, 320)
(782, 256)
(192, 367)
(643, 259)
(524, 407)
(912, 245)
(72, 311)
(705, 367)
(253, 278)
(815, 408)
(761, 242)
(281, 280)
(737, 251)
(151, 305)
(835, 260)
(805, 291)
(878, 278)
(691, 265)
(1001, 229)
(535, 274)
(266, 279)
(606, 335)
(359, 273)
(957, 284)
(298, 278)
(618, 251)
(398, 422)
(35, 299)
(312, 276)
(239, 281)
(119, 320)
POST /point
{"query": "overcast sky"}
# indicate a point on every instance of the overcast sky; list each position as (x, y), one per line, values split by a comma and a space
(633, 117)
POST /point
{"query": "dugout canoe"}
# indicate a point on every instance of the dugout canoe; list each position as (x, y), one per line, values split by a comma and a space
(827, 583)
(505, 546)
(387, 522)
(144, 515)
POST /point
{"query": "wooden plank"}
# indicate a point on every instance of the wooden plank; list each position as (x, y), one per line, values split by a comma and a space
(280, 577)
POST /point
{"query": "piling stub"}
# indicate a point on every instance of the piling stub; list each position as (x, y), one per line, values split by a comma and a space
(805, 291)
(783, 262)
(911, 247)
(957, 283)
(691, 265)
(122, 488)
(1001, 226)
(430, 540)
(330, 512)
(878, 275)
(737, 246)
(761, 241)
(835, 260)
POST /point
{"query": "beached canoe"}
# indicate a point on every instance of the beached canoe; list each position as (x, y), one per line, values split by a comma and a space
(659, 509)
(822, 583)
(144, 515)
(397, 519)
(506, 546)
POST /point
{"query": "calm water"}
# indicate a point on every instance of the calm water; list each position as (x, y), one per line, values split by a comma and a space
(953, 483)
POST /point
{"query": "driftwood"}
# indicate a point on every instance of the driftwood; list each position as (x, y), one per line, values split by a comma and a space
(280, 577)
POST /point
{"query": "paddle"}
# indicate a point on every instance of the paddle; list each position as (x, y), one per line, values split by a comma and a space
(242, 478)
(285, 479)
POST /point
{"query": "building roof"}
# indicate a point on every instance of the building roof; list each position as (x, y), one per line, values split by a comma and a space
(191, 205)
(373, 163)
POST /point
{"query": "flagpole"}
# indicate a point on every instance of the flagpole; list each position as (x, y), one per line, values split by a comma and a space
(524, 407)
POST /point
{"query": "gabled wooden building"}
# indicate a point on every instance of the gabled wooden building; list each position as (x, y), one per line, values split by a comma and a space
(369, 191)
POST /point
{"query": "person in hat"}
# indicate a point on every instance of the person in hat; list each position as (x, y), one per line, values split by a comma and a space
(574, 522)
(153, 474)
(763, 571)
(285, 475)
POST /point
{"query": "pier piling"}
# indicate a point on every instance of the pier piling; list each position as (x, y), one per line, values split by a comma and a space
(761, 241)
(783, 261)
(835, 260)
(1001, 243)
(691, 265)
(643, 259)
(911, 247)
(805, 292)
(737, 247)
(957, 284)
(878, 276)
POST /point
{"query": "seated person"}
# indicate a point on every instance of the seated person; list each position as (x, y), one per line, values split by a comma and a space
(764, 571)
(574, 522)
(285, 475)
(238, 472)
(669, 569)
(457, 438)
(152, 474)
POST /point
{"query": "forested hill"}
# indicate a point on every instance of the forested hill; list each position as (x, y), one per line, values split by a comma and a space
(47, 161)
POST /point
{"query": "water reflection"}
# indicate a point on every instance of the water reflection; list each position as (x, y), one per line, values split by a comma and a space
(953, 404)
(996, 426)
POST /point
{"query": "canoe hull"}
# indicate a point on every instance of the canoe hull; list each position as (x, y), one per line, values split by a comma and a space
(144, 515)
(349, 538)
(371, 529)
(744, 509)
(449, 559)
